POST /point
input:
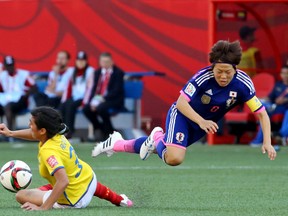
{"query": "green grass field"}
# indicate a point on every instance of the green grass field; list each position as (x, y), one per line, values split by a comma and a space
(218, 180)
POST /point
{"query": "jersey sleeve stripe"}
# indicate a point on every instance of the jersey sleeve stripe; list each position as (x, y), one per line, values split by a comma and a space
(252, 90)
(54, 171)
(185, 96)
(260, 110)
(207, 78)
(203, 76)
(247, 79)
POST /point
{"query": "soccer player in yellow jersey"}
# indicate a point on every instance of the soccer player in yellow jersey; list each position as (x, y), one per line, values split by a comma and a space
(72, 181)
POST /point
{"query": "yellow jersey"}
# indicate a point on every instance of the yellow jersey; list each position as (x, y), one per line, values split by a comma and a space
(57, 153)
(248, 61)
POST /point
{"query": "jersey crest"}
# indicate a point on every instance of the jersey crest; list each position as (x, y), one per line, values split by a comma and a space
(205, 99)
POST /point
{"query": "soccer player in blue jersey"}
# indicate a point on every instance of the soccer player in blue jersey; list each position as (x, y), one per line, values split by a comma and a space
(204, 100)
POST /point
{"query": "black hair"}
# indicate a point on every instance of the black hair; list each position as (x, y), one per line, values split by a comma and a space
(284, 66)
(226, 52)
(84, 74)
(50, 119)
(106, 54)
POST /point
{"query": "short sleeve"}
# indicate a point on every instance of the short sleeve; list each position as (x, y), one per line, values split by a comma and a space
(51, 160)
(195, 83)
(246, 86)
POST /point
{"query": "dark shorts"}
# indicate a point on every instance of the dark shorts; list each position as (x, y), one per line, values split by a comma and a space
(181, 131)
(16, 107)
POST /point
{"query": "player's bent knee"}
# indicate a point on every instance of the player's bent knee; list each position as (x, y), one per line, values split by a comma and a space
(174, 161)
(21, 196)
(174, 156)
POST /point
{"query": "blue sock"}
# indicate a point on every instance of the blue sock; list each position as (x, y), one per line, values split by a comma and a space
(160, 148)
(138, 144)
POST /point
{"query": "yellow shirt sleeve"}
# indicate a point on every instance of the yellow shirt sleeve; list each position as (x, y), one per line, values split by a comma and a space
(254, 104)
(52, 161)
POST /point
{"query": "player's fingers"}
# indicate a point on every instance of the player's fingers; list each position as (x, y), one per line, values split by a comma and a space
(272, 154)
(25, 206)
(263, 150)
(215, 125)
(212, 128)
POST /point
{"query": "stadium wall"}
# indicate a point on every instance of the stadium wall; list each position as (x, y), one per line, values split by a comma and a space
(161, 35)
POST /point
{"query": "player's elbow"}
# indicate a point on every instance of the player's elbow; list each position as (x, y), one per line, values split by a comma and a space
(65, 182)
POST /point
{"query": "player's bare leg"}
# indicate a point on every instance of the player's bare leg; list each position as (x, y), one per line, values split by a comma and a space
(174, 156)
(34, 196)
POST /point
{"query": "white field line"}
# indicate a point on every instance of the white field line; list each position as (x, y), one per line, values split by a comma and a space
(187, 168)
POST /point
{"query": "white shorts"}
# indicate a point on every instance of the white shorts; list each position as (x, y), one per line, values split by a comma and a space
(83, 202)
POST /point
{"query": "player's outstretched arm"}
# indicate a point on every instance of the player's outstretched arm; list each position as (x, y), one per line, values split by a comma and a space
(266, 128)
(207, 125)
(21, 134)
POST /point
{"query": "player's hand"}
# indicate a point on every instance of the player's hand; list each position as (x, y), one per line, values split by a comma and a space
(4, 130)
(270, 151)
(280, 100)
(209, 126)
(56, 68)
(30, 207)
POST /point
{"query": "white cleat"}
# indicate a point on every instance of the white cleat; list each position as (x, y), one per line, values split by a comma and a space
(126, 202)
(107, 145)
(148, 147)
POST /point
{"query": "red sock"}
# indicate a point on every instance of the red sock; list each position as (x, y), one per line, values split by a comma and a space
(106, 193)
(46, 187)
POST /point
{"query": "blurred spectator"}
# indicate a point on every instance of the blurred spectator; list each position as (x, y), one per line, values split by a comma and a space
(277, 101)
(15, 87)
(251, 60)
(282, 135)
(58, 79)
(79, 85)
(107, 93)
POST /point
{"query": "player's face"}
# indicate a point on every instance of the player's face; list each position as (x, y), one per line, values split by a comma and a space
(105, 62)
(34, 129)
(36, 132)
(62, 60)
(223, 73)
(80, 63)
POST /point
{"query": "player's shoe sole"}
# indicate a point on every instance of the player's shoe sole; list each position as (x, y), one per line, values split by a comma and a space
(148, 147)
(126, 202)
(107, 145)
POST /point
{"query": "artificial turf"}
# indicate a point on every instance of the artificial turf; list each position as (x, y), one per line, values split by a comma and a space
(213, 180)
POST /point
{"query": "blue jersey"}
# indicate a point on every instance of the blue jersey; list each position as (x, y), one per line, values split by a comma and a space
(279, 89)
(212, 101)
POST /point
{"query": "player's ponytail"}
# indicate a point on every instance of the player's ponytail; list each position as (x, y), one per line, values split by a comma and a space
(50, 119)
(63, 129)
